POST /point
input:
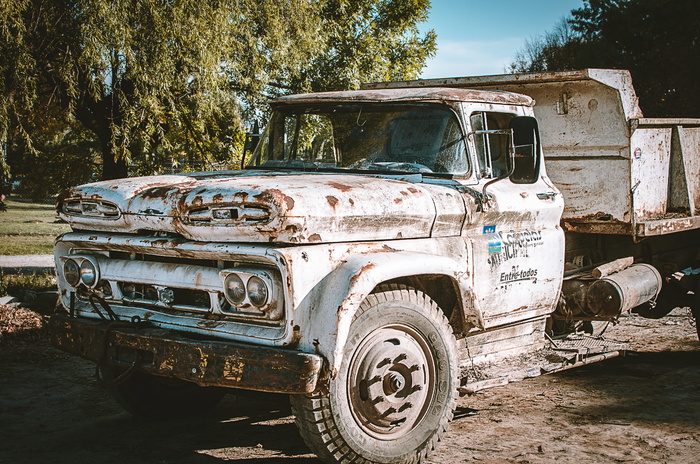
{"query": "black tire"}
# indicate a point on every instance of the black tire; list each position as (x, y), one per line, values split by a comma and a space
(153, 397)
(395, 392)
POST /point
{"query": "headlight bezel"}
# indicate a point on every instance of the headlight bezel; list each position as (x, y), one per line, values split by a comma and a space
(272, 306)
(83, 263)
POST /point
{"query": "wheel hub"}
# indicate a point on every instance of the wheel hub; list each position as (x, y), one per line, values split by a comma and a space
(391, 381)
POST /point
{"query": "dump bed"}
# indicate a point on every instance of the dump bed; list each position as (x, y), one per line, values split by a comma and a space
(620, 173)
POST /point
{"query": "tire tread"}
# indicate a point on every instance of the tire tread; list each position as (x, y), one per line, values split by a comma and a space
(313, 413)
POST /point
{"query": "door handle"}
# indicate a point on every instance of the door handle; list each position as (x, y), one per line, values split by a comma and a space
(547, 195)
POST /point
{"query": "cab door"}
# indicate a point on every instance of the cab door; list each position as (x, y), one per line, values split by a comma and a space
(517, 242)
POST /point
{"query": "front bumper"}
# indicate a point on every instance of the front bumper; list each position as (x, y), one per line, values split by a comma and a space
(204, 362)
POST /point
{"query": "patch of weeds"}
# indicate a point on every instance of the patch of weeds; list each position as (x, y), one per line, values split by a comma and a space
(20, 285)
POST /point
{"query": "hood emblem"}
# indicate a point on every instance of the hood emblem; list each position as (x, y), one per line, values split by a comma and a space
(90, 208)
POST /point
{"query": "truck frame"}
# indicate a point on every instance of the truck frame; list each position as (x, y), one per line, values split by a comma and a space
(385, 250)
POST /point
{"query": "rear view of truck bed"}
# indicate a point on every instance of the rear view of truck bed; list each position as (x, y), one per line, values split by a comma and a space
(620, 173)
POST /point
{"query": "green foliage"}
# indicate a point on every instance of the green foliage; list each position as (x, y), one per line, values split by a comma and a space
(158, 82)
(61, 159)
(657, 40)
(370, 40)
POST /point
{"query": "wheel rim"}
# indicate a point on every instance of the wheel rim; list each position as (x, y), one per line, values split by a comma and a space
(391, 381)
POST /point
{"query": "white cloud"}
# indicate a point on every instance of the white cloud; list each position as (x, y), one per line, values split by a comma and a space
(472, 58)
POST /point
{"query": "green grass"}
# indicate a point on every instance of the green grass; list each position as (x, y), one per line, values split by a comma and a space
(26, 245)
(28, 228)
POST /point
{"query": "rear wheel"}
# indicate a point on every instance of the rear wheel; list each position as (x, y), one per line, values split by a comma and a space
(154, 397)
(396, 388)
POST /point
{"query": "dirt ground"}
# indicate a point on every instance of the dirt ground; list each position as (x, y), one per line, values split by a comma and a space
(642, 407)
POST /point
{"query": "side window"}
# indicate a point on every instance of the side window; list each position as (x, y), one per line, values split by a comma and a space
(491, 148)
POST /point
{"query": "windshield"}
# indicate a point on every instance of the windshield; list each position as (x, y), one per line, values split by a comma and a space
(406, 138)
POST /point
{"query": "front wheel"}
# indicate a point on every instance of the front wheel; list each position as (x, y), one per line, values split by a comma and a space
(396, 389)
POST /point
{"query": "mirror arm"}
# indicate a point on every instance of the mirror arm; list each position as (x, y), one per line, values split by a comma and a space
(510, 172)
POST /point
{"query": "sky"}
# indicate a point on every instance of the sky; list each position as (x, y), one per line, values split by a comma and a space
(481, 37)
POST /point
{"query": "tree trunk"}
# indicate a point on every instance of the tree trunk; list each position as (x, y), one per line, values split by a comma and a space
(98, 117)
(111, 168)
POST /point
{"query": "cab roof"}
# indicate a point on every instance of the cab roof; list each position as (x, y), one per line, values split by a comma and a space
(434, 94)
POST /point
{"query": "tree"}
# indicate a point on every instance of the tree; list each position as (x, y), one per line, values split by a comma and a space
(657, 40)
(155, 80)
(366, 41)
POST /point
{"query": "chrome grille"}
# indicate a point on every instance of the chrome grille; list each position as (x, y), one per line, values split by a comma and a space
(91, 208)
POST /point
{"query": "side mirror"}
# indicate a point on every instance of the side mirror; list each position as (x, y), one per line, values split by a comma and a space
(526, 144)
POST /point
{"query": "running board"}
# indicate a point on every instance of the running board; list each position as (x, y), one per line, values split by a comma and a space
(558, 355)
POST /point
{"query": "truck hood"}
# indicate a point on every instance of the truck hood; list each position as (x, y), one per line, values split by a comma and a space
(280, 207)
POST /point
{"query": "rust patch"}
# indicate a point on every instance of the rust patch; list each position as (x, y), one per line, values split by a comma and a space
(615, 228)
(339, 186)
(398, 200)
(599, 216)
(271, 195)
(333, 201)
(351, 201)
(158, 192)
(268, 195)
(315, 238)
(218, 198)
(413, 190)
(64, 195)
(242, 196)
(358, 276)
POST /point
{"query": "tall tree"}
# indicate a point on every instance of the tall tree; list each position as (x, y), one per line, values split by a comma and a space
(369, 40)
(657, 40)
(156, 79)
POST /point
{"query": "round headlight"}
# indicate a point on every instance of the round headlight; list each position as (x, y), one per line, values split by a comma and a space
(234, 289)
(71, 271)
(257, 291)
(88, 273)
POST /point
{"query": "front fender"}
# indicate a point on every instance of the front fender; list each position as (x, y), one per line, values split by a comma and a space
(340, 293)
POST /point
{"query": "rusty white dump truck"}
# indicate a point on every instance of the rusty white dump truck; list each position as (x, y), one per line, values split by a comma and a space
(385, 249)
